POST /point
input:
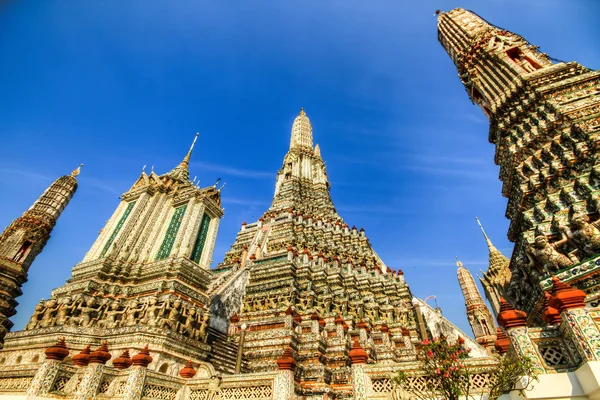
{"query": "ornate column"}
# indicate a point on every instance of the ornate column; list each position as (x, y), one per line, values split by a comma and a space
(92, 376)
(576, 321)
(361, 383)
(514, 323)
(137, 375)
(46, 375)
(283, 386)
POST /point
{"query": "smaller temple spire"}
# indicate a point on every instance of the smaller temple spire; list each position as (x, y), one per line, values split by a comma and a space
(497, 276)
(480, 318)
(181, 172)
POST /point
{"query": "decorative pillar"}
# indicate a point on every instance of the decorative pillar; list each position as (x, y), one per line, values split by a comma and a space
(137, 375)
(92, 377)
(577, 322)
(514, 323)
(361, 383)
(283, 385)
(46, 375)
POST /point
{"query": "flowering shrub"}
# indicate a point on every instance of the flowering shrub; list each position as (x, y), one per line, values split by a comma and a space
(444, 366)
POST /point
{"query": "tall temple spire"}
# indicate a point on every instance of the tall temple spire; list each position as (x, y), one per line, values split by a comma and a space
(302, 181)
(479, 315)
(541, 120)
(25, 238)
(182, 171)
(303, 262)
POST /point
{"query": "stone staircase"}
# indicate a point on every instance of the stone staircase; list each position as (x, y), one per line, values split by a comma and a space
(224, 353)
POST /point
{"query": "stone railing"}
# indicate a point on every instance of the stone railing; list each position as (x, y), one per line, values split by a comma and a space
(58, 378)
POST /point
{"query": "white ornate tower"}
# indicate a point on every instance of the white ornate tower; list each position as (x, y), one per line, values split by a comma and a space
(160, 218)
(145, 279)
(479, 315)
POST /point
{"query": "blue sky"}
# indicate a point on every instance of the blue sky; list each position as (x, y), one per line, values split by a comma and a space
(119, 85)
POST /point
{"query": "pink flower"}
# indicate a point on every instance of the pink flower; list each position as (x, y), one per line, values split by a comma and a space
(468, 349)
(430, 353)
(425, 342)
(437, 371)
(446, 376)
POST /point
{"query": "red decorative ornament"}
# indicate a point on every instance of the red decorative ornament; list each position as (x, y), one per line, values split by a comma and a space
(286, 362)
(357, 354)
(57, 352)
(188, 371)
(566, 297)
(143, 358)
(502, 342)
(509, 317)
(82, 358)
(550, 314)
(100, 355)
(123, 361)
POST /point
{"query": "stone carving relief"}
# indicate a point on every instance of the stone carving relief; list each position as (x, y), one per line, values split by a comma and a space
(170, 313)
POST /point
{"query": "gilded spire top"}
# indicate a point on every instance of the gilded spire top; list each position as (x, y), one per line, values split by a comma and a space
(181, 172)
(186, 159)
(76, 171)
(301, 132)
(459, 264)
(487, 239)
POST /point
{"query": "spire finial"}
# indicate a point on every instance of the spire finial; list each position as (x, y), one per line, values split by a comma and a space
(76, 171)
(181, 172)
(458, 263)
(302, 111)
(186, 159)
(487, 239)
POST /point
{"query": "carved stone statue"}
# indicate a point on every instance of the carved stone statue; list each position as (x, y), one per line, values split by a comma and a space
(189, 326)
(152, 316)
(111, 315)
(203, 331)
(546, 255)
(87, 310)
(132, 312)
(34, 321)
(48, 317)
(585, 235)
(64, 311)
(172, 320)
